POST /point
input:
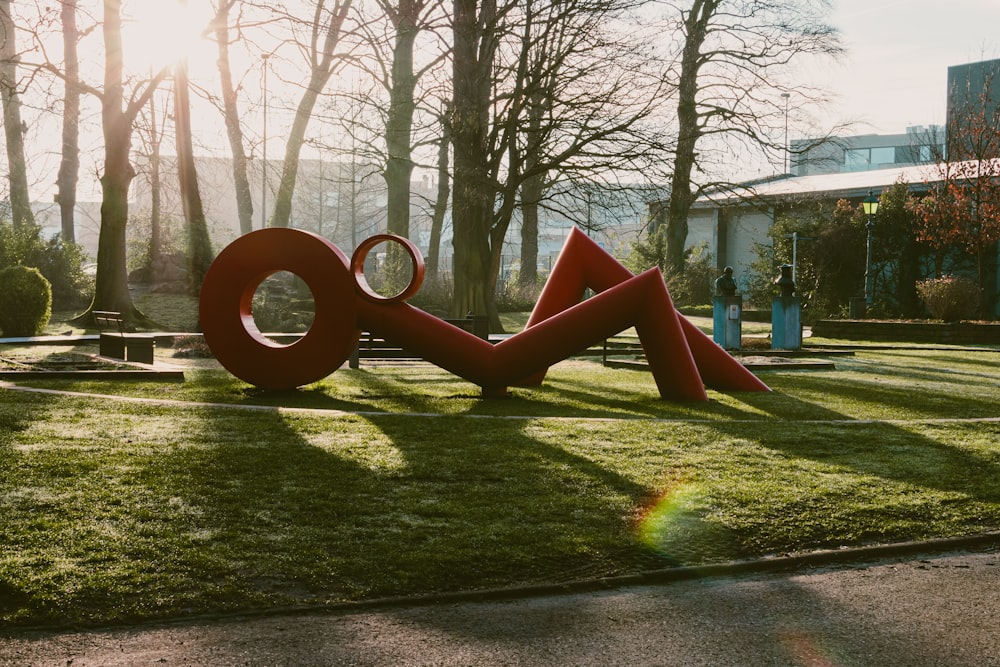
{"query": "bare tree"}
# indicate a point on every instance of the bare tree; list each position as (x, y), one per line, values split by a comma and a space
(441, 201)
(150, 132)
(231, 113)
(323, 58)
(476, 41)
(396, 68)
(14, 127)
(729, 83)
(405, 18)
(69, 165)
(199, 246)
(590, 91)
(118, 115)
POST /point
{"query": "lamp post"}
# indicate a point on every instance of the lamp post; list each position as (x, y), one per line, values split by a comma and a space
(263, 164)
(870, 206)
(787, 156)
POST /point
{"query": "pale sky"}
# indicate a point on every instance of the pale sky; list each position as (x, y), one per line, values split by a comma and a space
(896, 69)
(893, 76)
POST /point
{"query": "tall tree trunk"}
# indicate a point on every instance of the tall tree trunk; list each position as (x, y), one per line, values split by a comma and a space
(441, 202)
(398, 131)
(531, 194)
(155, 198)
(290, 167)
(20, 201)
(399, 119)
(244, 197)
(472, 208)
(689, 131)
(199, 245)
(111, 282)
(69, 165)
(322, 70)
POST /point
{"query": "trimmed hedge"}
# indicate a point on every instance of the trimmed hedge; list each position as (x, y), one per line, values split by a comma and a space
(25, 301)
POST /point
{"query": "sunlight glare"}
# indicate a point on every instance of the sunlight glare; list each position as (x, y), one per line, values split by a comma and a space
(159, 33)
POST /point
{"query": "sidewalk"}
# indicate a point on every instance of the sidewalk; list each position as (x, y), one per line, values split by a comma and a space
(934, 610)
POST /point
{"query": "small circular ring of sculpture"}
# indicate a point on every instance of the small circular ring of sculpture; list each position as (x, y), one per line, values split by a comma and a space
(358, 268)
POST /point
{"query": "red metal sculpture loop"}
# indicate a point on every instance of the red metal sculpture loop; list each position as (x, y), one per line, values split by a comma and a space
(681, 358)
(358, 268)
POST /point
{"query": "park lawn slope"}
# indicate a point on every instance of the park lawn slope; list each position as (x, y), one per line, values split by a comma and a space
(191, 498)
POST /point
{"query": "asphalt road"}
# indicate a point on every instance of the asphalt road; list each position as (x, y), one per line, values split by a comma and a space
(941, 610)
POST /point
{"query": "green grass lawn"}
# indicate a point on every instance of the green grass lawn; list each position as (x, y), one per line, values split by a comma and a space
(142, 500)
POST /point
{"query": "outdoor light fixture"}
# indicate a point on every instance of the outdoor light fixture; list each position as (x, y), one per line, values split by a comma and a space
(870, 206)
(788, 157)
(263, 161)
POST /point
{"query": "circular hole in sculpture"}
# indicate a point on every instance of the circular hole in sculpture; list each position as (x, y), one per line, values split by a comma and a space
(283, 307)
(388, 270)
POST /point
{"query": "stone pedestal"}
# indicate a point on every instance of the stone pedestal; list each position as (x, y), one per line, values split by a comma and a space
(786, 323)
(727, 321)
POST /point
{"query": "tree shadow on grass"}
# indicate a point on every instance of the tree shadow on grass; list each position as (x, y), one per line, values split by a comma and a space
(946, 398)
(929, 368)
(903, 482)
(18, 410)
(250, 509)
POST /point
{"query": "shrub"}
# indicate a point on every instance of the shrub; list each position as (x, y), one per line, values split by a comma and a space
(434, 296)
(283, 304)
(695, 286)
(61, 263)
(25, 301)
(951, 298)
(515, 297)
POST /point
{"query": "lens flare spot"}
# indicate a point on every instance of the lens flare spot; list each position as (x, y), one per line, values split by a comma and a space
(678, 528)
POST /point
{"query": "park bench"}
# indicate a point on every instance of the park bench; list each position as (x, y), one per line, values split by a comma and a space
(375, 347)
(117, 343)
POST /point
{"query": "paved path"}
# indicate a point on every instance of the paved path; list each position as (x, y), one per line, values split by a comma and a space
(936, 611)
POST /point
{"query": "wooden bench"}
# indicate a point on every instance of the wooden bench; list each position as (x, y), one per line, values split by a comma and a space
(117, 343)
(371, 346)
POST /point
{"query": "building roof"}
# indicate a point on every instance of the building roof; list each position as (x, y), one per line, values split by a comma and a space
(846, 185)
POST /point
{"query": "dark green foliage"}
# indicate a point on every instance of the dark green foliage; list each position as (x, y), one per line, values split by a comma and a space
(647, 252)
(283, 304)
(951, 298)
(693, 286)
(61, 263)
(900, 260)
(829, 262)
(25, 301)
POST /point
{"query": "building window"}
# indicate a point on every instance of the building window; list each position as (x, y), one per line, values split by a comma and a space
(883, 155)
(856, 159)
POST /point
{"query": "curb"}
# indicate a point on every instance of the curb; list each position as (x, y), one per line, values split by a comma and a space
(828, 558)
(983, 542)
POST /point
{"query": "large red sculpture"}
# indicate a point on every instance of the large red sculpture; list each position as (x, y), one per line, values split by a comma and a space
(681, 358)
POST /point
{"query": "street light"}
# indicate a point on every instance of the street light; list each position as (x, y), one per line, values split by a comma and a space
(870, 206)
(787, 155)
(263, 167)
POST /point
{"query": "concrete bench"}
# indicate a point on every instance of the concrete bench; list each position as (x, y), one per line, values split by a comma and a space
(117, 343)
